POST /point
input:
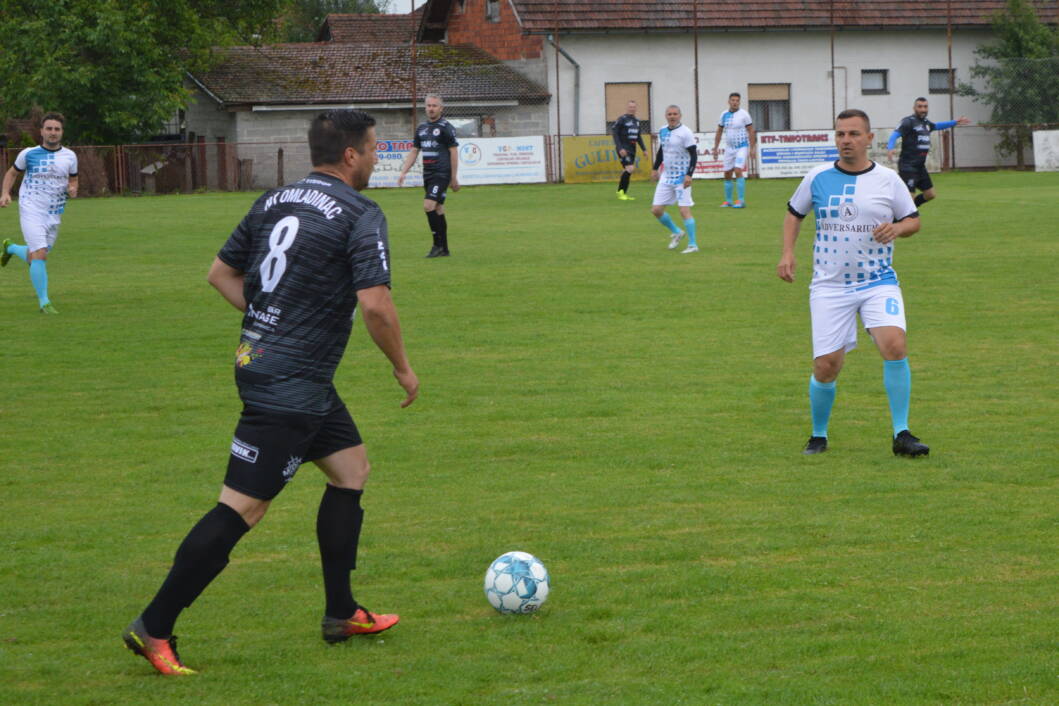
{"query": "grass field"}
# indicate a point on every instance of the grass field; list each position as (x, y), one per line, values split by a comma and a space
(632, 416)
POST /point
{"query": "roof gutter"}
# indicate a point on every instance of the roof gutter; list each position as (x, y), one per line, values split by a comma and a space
(205, 90)
(577, 84)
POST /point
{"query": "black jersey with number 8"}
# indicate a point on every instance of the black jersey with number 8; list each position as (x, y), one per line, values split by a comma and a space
(305, 250)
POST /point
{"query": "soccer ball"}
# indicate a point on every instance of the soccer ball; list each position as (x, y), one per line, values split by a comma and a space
(516, 582)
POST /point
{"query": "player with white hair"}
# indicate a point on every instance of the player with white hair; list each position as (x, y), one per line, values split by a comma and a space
(673, 166)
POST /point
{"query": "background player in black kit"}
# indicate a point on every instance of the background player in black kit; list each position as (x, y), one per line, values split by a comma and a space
(626, 134)
(437, 140)
(300, 262)
(914, 132)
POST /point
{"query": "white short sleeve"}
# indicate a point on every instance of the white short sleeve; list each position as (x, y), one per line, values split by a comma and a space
(20, 160)
(802, 200)
(904, 206)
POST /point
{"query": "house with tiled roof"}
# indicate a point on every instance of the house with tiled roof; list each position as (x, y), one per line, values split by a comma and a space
(796, 62)
(260, 97)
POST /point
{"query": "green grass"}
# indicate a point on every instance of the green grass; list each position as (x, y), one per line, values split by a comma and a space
(632, 416)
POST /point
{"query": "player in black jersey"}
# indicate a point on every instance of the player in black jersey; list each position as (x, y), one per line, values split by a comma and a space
(437, 140)
(626, 134)
(914, 132)
(298, 265)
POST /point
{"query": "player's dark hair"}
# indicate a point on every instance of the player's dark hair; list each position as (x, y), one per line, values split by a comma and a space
(921, 98)
(332, 132)
(854, 113)
(53, 116)
(737, 95)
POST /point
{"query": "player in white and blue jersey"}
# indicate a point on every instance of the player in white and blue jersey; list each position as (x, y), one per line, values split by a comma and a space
(50, 175)
(736, 125)
(860, 208)
(676, 156)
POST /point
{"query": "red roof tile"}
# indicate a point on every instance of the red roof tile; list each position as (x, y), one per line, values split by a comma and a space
(542, 16)
(333, 72)
(368, 29)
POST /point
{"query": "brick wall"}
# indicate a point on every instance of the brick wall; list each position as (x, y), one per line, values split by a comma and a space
(503, 39)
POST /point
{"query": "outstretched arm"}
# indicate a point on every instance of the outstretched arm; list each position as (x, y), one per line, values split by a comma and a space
(946, 124)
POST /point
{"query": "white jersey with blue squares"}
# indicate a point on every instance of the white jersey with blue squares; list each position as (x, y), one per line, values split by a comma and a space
(848, 206)
(674, 143)
(734, 124)
(46, 174)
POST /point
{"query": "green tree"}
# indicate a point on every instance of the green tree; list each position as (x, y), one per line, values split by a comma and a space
(303, 18)
(1018, 76)
(116, 68)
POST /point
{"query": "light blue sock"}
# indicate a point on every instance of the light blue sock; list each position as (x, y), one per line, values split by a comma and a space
(689, 226)
(821, 398)
(740, 185)
(665, 220)
(897, 378)
(38, 275)
(20, 251)
(728, 190)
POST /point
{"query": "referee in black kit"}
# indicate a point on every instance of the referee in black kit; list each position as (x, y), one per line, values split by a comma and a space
(300, 262)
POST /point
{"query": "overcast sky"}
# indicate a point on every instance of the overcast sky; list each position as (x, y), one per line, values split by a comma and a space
(400, 7)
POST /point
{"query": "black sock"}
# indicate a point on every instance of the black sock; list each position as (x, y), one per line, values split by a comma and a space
(202, 555)
(443, 232)
(432, 219)
(623, 185)
(919, 200)
(338, 532)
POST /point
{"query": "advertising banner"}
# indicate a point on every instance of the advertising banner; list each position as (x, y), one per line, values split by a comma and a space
(392, 154)
(794, 153)
(483, 160)
(706, 167)
(502, 160)
(593, 158)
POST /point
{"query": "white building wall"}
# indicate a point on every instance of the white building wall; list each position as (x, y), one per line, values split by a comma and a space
(729, 61)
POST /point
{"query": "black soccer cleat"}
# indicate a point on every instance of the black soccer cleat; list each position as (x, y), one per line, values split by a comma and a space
(815, 445)
(435, 251)
(907, 445)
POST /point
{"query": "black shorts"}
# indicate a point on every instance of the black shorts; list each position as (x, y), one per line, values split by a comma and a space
(435, 187)
(629, 159)
(915, 176)
(269, 446)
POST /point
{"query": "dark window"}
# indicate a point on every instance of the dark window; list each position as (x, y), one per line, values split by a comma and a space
(874, 81)
(770, 115)
(939, 80)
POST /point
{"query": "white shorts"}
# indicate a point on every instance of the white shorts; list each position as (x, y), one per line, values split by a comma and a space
(669, 194)
(735, 158)
(834, 315)
(39, 232)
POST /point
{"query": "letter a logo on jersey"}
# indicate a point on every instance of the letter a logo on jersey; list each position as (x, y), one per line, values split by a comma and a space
(848, 211)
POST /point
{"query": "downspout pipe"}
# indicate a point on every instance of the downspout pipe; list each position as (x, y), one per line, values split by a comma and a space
(577, 84)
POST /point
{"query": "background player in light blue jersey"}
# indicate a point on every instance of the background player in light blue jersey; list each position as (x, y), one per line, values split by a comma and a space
(50, 176)
(677, 152)
(860, 208)
(735, 124)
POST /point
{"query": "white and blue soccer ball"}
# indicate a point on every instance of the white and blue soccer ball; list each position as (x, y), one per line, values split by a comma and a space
(516, 582)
